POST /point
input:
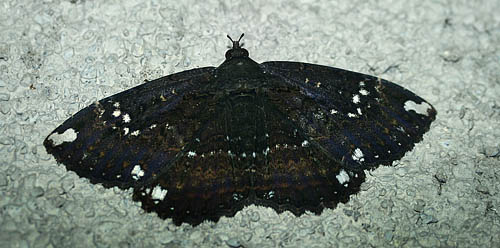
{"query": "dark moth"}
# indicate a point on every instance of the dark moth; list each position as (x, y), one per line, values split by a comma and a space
(204, 143)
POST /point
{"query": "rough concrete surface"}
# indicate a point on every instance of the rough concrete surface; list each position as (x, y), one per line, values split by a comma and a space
(58, 56)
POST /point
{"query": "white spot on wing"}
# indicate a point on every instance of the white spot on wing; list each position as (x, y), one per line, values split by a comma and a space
(68, 136)
(421, 108)
(355, 99)
(343, 177)
(358, 155)
(270, 194)
(363, 92)
(137, 172)
(117, 113)
(159, 193)
(126, 118)
(265, 152)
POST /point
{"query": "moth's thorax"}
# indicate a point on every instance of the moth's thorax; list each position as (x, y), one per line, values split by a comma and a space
(238, 67)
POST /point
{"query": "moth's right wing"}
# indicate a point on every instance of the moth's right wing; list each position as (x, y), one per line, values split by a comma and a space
(126, 139)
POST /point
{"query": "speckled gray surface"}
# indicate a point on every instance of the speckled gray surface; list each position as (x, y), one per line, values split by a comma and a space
(58, 56)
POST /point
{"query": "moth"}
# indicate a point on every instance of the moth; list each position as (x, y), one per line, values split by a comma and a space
(204, 143)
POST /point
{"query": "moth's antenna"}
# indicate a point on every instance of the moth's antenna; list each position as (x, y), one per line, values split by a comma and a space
(241, 36)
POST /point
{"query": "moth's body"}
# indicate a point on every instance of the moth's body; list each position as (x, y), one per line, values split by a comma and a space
(204, 143)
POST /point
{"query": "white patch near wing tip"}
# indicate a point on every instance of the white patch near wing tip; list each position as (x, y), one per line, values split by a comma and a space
(421, 108)
(68, 136)
(343, 177)
(159, 193)
(137, 172)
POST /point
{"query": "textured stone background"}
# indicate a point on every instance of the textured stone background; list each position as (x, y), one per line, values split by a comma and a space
(58, 56)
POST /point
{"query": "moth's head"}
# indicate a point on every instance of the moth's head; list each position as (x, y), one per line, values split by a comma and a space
(237, 51)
